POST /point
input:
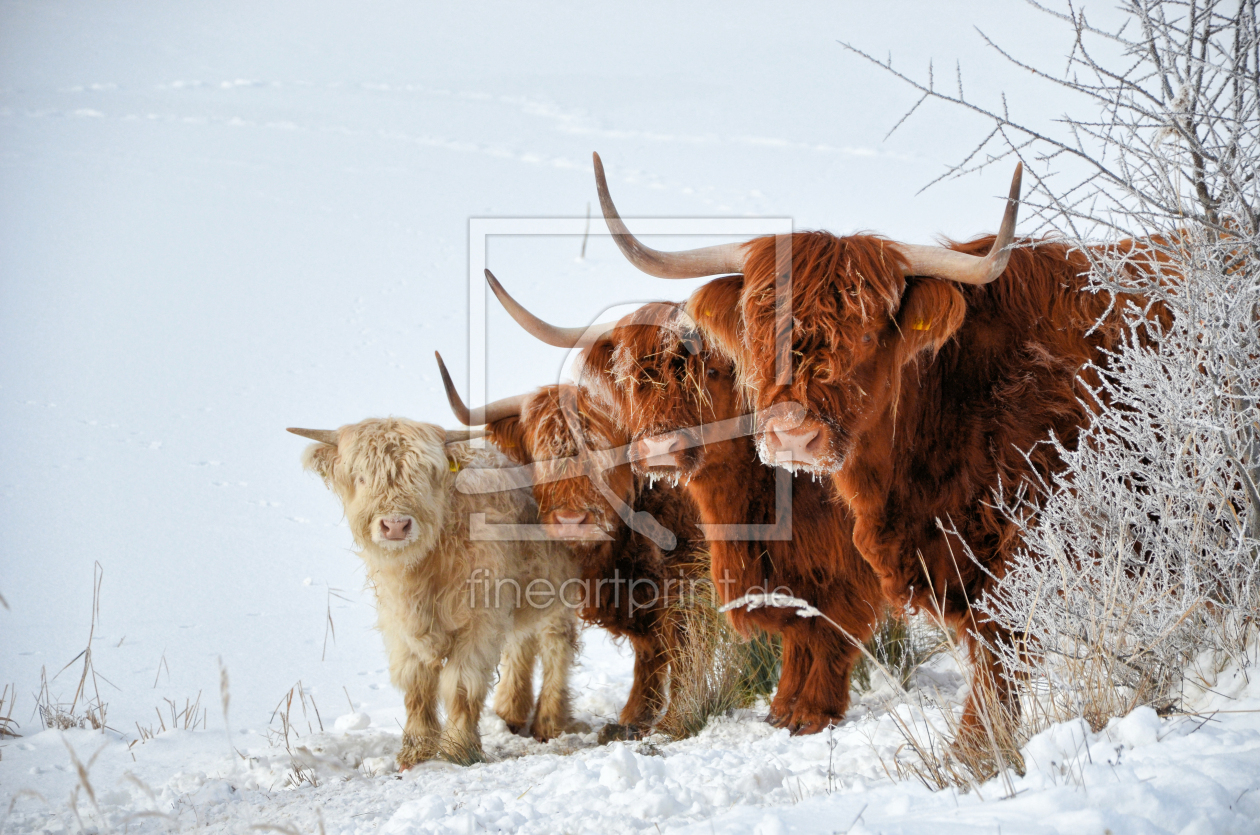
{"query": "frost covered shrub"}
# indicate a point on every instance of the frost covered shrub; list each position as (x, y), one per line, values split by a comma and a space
(1142, 552)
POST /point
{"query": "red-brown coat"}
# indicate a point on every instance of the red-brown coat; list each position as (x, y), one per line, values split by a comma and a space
(666, 388)
(622, 562)
(928, 396)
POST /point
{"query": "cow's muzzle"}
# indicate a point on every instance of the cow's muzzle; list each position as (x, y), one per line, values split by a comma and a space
(394, 530)
(572, 524)
(659, 450)
(804, 443)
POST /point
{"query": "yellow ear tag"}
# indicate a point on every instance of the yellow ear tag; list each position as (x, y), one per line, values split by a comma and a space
(921, 325)
(454, 466)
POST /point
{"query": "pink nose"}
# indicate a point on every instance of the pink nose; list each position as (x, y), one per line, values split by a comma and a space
(396, 528)
(661, 451)
(569, 517)
(801, 444)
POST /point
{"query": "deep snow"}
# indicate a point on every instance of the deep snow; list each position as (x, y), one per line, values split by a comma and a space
(220, 220)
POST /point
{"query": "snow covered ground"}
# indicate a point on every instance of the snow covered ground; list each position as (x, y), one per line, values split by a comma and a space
(1189, 774)
(219, 220)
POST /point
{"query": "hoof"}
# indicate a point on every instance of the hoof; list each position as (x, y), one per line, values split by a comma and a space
(808, 725)
(777, 720)
(545, 734)
(414, 753)
(613, 732)
(514, 728)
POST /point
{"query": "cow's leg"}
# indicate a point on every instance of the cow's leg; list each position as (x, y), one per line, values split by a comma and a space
(824, 695)
(797, 660)
(646, 693)
(558, 646)
(514, 697)
(675, 640)
(422, 733)
(992, 705)
(465, 681)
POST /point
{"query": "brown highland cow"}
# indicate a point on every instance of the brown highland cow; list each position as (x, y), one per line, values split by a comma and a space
(930, 376)
(633, 583)
(682, 408)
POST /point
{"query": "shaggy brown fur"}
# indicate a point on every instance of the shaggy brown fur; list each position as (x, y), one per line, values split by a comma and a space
(663, 384)
(441, 640)
(621, 562)
(929, 396)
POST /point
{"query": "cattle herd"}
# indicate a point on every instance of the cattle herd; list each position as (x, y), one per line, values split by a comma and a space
(829, 418)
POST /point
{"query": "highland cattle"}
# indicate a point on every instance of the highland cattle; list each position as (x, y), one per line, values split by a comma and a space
(633, 584)
(416, 535)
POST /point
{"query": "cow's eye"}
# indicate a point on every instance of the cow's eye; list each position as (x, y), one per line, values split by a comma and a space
(360, 480)
(866, 337)
(711, 372)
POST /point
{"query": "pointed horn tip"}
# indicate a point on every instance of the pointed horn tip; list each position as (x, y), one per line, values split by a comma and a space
(500, 293)
(324, 436)
(495, 284)
(456, 402)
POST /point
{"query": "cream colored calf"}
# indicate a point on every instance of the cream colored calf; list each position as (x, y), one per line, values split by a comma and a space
(444, 634)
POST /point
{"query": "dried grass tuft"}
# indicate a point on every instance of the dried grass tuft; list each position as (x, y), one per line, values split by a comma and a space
(186, 718)
(715, 670)
(8, 727)
(900, 645)
(85, 709)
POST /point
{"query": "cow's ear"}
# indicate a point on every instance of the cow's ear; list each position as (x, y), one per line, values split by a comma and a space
(320, 459)
(509, 436)
(715, 308)
(931, 312)
(595, 372)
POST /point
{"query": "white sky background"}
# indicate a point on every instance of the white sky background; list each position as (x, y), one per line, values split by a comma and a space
(218, 220)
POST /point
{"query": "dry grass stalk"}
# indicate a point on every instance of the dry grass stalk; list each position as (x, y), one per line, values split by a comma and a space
(53, 712)
(900, 645)
(330, 629)
(956, 756)
(714, 670)
(284, 712)
(186, 718)
(302, 763)
(8, 727)
(81, 770)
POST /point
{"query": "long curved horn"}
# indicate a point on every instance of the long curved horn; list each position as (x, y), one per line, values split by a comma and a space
(498, 410)
(939, 262)
(324, 436)
(544, 331)
(459, 436)
(691, 263)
